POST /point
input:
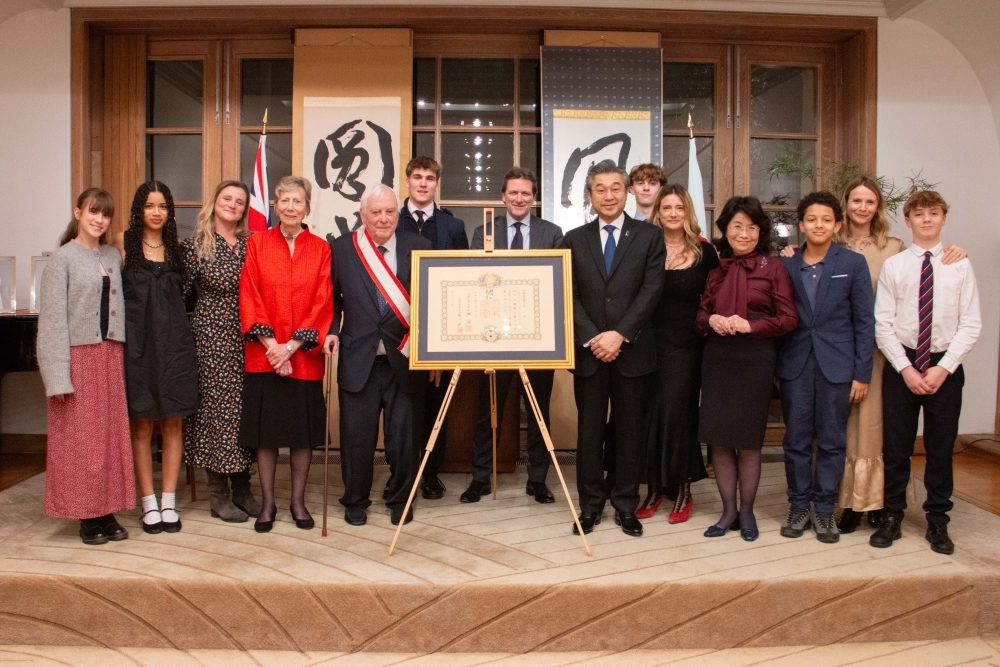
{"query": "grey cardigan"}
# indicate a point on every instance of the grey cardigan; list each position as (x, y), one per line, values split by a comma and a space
(71, 309)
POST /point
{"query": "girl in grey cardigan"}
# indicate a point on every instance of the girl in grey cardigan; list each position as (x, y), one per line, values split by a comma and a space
(80, 354)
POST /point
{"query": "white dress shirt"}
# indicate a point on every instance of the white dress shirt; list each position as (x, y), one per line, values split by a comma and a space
(617, 224)
(525, 230)
(390, 260)
(955, 321)
(413, 208)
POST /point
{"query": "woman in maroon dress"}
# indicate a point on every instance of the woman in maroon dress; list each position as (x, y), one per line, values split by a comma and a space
(747, 305)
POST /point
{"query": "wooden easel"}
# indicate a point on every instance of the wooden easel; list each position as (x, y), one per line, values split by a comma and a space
(488, 246)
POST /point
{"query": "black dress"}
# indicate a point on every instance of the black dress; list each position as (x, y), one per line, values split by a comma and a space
(673, 450)
(161, 368)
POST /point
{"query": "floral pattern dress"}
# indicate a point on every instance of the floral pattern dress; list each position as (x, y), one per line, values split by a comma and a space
(211, 436)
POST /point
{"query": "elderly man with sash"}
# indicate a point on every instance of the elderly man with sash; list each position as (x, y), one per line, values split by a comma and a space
(371, 300)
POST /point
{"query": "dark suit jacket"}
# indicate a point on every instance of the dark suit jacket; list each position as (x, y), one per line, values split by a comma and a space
(450, 230)
(841, 329)
(356, 318)
(543, 235)
(623, 301)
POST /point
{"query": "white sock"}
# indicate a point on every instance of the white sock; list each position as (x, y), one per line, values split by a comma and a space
(150, 512)
(168, 503)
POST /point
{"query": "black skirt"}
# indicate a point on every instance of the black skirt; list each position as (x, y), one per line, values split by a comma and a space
(737, 381)
(281, 412)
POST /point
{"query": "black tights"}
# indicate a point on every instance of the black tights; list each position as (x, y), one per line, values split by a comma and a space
(737, 468)
(267, 462)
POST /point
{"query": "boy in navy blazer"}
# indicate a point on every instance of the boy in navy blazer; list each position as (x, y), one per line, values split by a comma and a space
(824, 365)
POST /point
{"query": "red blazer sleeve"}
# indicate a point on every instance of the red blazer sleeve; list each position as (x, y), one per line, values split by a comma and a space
(707, 307)
(254, 319)
(318, 318)
(785, 317)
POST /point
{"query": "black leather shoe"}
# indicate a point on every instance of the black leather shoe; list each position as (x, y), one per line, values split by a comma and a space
(937, 535)
(112, 528)
(629, 524)
(719, 531)
(475, 491)
(431, 487)
(888, 531)
(875, 518)
(587, 521)
(849, 521)
(303, 524)
(397, 514)
(356, 515)
(266, 526)
(92, 532)
(540, 491)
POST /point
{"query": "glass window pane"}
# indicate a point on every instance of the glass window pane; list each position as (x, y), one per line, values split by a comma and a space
(688, 88)
(175, 160)
(174, 93)
(474, 165)
(186, 219)
(530, 84)
(423, 144)
(786, 228)
(782, 99)
(424, 90)
(531, 156)
(781, 170)
(477, 92)
(266, 83)
(675, 162)
(279, 158)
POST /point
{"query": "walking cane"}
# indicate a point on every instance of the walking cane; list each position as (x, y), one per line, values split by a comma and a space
(326, 438)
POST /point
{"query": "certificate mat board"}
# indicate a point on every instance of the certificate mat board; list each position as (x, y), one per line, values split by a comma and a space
(502, 310)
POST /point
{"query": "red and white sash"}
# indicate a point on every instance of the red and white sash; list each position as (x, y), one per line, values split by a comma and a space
(385, 280)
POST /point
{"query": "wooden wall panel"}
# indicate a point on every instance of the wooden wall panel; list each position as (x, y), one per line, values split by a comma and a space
(124, 166)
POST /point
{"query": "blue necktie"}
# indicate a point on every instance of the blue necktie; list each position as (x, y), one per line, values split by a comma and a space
(609, 248)
(382, 305)
(517, 243)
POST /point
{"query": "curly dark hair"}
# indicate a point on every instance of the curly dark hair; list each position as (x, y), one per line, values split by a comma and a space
(822, 198)
(750, 207)
(133, 235)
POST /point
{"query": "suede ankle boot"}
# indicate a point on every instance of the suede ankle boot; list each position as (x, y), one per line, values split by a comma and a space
(222, 505)
(243, 494)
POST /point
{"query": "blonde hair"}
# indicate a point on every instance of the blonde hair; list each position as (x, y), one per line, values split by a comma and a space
(692, 232)
(880, 222)
(204, 230)
(292, 183)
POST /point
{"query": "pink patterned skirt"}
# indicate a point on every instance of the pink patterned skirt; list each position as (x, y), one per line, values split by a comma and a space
(88, 469)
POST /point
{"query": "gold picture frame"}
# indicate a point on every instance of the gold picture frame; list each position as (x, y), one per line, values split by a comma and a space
(543, 281)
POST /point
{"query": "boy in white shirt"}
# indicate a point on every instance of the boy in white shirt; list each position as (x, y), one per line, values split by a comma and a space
(926, 322)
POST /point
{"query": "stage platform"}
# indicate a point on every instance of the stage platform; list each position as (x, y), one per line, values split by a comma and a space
(499, 577)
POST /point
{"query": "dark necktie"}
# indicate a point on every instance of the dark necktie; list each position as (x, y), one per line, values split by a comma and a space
(517, 243)
(609, 248)
(420, 221)
(926, 305)
(382, 305)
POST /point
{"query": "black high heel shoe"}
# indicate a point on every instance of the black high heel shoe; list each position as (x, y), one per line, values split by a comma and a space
(265, 526)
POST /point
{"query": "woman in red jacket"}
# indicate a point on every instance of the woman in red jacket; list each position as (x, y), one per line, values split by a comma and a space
(286, 308)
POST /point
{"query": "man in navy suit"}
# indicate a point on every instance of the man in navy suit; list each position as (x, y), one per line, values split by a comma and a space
(421, 215)
(825, 364)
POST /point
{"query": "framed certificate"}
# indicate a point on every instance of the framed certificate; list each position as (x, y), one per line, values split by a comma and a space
(8, 289)
(37, 268)
(504, 309)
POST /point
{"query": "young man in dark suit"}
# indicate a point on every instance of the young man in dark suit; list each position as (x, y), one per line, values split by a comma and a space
(421, 215)
(519, 229)
(371, 280)
(618, 272)
(824, 365)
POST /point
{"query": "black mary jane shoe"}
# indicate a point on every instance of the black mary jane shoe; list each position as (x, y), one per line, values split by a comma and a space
(303, 524)
(112, 528)
(152, 528)
(92, 531)
(172, 526)
(266, 526)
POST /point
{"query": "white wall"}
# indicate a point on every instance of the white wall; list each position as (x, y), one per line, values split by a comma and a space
(35, 197)
(934, 116)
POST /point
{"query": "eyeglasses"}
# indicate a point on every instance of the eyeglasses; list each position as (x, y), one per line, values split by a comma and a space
(749, 230)
(600, 191)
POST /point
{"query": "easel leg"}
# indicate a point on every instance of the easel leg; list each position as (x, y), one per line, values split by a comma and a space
(430, 447)
(492, 374)
(530, 393)
(326, 439)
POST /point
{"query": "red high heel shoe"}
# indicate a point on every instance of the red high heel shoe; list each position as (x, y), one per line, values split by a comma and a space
(650, 505)
(680, 514)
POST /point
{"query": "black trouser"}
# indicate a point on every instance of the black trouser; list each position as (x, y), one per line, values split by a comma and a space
(402, 417)
(538, 453)
(433, 399)
(900, 412)
(628, 399)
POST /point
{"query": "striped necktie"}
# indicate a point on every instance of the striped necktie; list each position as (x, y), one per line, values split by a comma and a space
(926, 306)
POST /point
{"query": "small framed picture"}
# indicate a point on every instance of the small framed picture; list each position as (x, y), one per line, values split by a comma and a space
(8, 286)
(37, 268)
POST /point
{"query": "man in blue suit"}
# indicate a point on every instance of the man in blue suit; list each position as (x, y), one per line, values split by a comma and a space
(825, 364)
